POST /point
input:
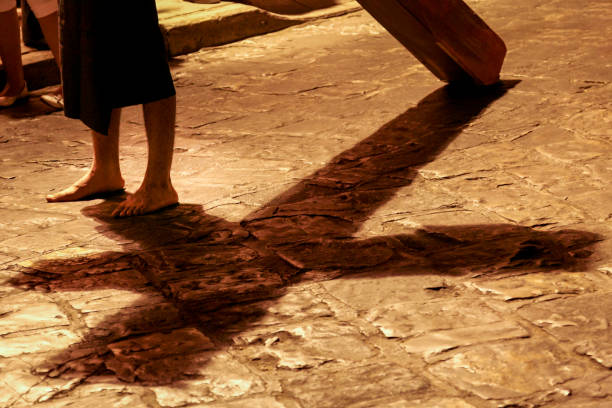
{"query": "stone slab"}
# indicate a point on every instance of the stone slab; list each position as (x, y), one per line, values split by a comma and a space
(36, 341)
(116, 399)
(304, 346)
(539, 284)
(416, 403)
(439, 341)
(254, 402)
(327, 388)
(151, 357)
(217, 377)
(367, 292)
(510, 370)
(584, 322)
(414, 319)
(25, 312)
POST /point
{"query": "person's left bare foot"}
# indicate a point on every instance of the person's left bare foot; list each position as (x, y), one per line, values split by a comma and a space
(146, 200)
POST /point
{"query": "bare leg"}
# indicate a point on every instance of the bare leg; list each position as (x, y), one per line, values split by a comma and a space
(50, 28)
(104, 176)
(156, 191)
(10, 52)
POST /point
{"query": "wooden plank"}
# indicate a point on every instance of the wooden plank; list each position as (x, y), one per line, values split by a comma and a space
(452, 41)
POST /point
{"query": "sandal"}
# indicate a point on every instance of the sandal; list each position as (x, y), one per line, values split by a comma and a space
(54, 100)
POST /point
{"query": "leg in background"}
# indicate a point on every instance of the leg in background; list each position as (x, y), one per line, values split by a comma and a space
(10, 53)
(50, 28)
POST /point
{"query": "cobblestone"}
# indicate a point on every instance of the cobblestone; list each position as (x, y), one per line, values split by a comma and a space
(351, 232)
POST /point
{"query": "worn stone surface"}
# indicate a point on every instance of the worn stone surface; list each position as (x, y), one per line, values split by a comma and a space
(367, 292)
(157, 355)
(583, 403)
(256, 402)
(443, 340)
(351, 233)
(490, 371)
(569, 319)
(412, 319)
(328, 387)
(596, 386)
(119, 399)
(536, 285)
(15, 380)
(405, 403)
(216, 376)
(30, 311)
(36, 341)
(305, 345)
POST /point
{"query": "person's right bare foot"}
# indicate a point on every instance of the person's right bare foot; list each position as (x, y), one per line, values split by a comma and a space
(147, 199)
(90, 184)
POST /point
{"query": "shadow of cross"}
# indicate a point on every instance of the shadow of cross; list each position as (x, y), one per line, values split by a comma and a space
(202, 280)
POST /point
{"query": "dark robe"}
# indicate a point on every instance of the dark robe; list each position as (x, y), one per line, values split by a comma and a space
(113, 55)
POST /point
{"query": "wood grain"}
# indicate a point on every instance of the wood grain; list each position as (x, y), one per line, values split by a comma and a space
(450, 39)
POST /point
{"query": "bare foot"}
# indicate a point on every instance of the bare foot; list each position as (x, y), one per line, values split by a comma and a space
(146, 200)
(90, 184)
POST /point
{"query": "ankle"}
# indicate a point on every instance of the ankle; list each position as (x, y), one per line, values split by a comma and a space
(13, 89)
(156, 186)
(156, 182)
(105, 172)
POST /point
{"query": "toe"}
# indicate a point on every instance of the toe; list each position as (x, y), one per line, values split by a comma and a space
(118, 210)
(129, 212)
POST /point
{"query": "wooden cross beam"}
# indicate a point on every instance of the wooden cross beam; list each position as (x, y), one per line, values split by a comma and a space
(445, 35)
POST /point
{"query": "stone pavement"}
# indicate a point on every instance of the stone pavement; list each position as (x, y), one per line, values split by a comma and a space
(352, 233)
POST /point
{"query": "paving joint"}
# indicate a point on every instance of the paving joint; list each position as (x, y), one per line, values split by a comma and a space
(453, 249)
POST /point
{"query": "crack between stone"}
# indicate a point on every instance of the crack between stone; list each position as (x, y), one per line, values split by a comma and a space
(74, 316)
(35, 329)
(301, 91)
